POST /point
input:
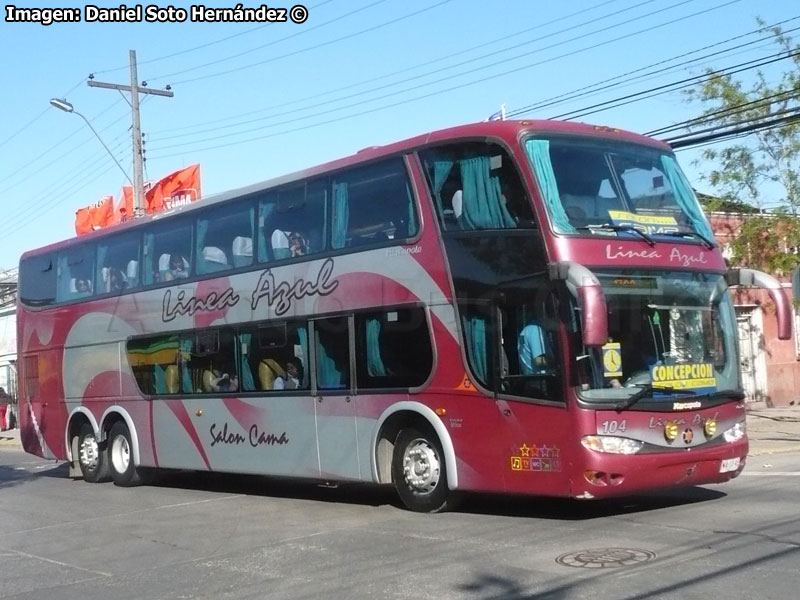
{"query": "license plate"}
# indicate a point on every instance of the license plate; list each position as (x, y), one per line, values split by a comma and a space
(729, 464)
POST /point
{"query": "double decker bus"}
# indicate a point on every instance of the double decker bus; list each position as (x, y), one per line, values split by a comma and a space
(522, 307)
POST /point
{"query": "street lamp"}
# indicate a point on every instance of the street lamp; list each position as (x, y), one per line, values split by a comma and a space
(67, 107)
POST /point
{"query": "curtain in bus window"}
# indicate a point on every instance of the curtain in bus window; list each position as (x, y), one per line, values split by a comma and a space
(483, 205)
(685, 197)
(441, 170)
(185, 357)
(302, 336)
(475, 337)
(375, 365)
(412, 213)
(341, 214)
(102, 278)
(202, 231)
(329, 376)
(265, 210)
(148, 259)
(248, 381)
(539, 151)
(160, 378)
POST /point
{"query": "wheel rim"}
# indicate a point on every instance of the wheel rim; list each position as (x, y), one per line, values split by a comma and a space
(421, 466)
(89, 453)
(120, 454)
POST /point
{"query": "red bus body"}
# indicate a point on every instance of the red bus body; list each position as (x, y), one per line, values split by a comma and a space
(75, 368)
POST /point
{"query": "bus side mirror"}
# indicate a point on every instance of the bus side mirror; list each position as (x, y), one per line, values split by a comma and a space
(753, 278)
(591, 300)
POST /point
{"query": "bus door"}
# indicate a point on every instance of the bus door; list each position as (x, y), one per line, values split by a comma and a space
(335, 404)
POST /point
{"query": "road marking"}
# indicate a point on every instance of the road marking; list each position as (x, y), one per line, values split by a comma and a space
(125, 514)
(62, 564)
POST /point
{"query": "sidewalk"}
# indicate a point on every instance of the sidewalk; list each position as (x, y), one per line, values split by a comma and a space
(771, 430)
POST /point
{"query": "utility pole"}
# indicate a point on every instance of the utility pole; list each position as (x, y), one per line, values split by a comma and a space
(135, 90)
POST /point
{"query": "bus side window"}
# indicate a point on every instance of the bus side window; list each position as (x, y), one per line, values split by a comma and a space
(118, 263)
(332, 351)
(475, 186)
(168, 252)
(76, 273)
(393, 349)
(373, 204)
(291, 222)
(274, 357)
(224, 238)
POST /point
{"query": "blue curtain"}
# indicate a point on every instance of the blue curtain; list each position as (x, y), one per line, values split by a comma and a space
(685, 197)
(248, 381)
(476, 342)
(265, 212)
(150, 261)
(341, 214)
(302, 336)
(328, 376)
(202, 230)
(185, 356)
(412, 212)
(160, 381)
(375, 366)
(441, 170)
(63, 292)
(483, 205)
(539, 153)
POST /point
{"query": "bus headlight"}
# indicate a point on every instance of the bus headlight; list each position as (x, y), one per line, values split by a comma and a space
(611, 444)
(735, 433)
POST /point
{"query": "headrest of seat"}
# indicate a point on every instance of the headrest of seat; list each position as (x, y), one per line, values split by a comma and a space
(458, 203)
(280, 239)
(163, 262)
(133, 270)
(242, 246)
(214, 254)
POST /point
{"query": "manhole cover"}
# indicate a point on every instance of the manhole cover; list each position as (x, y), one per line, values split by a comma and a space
(605, 558)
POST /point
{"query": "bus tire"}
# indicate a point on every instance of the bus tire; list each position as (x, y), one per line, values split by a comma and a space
(419, 472)
(120, 456)
(91, 460)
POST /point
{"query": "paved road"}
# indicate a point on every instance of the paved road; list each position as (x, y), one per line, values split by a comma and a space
(201, 536)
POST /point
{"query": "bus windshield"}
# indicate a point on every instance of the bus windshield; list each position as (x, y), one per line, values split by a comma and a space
(674, 331)
(587, 184)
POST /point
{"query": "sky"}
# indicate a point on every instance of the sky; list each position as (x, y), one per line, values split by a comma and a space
(254, 100)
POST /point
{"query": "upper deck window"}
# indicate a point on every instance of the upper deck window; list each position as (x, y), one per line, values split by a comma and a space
(588, 183)
(291, 222)
(476, 187)
(75, 273)
(37, 280)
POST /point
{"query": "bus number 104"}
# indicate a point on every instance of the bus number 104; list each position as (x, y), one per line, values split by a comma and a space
(613, 426)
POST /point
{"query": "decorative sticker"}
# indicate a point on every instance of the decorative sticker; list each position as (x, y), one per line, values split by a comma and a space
(612, 360)
(537, 458)
(683, 377)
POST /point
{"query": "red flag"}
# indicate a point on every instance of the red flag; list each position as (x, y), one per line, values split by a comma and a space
(95, 216)
(176, 189)
(124, 210)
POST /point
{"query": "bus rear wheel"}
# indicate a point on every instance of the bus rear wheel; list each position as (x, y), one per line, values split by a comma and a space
(91, 460)
(120, 456)
(419, 472)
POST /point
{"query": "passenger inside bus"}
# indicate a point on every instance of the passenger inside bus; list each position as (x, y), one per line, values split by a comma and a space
(532, 349)
(83, 286)
(223, 382)
(294, 376)
(176, 268)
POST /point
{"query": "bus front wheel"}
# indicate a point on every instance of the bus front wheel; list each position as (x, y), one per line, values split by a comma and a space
(92, 460)
(419, 471)
(120, 456)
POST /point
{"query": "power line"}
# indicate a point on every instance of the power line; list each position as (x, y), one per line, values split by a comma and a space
(202, 46)
(317, 95)
(790, 116)
(303, 31)
(452, 88)
(591, 89)
(670, 87)
(727, 112)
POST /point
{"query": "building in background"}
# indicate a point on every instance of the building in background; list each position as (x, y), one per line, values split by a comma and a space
(770, 367)
(8, 333)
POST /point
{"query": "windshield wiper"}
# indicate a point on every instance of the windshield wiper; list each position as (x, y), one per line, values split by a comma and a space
(618, 228)
(647, 391)
(691, 234)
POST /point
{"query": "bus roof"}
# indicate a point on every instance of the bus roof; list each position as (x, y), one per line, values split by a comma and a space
(507, 131)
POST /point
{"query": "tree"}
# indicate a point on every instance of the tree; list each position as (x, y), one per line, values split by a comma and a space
(763, 169)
